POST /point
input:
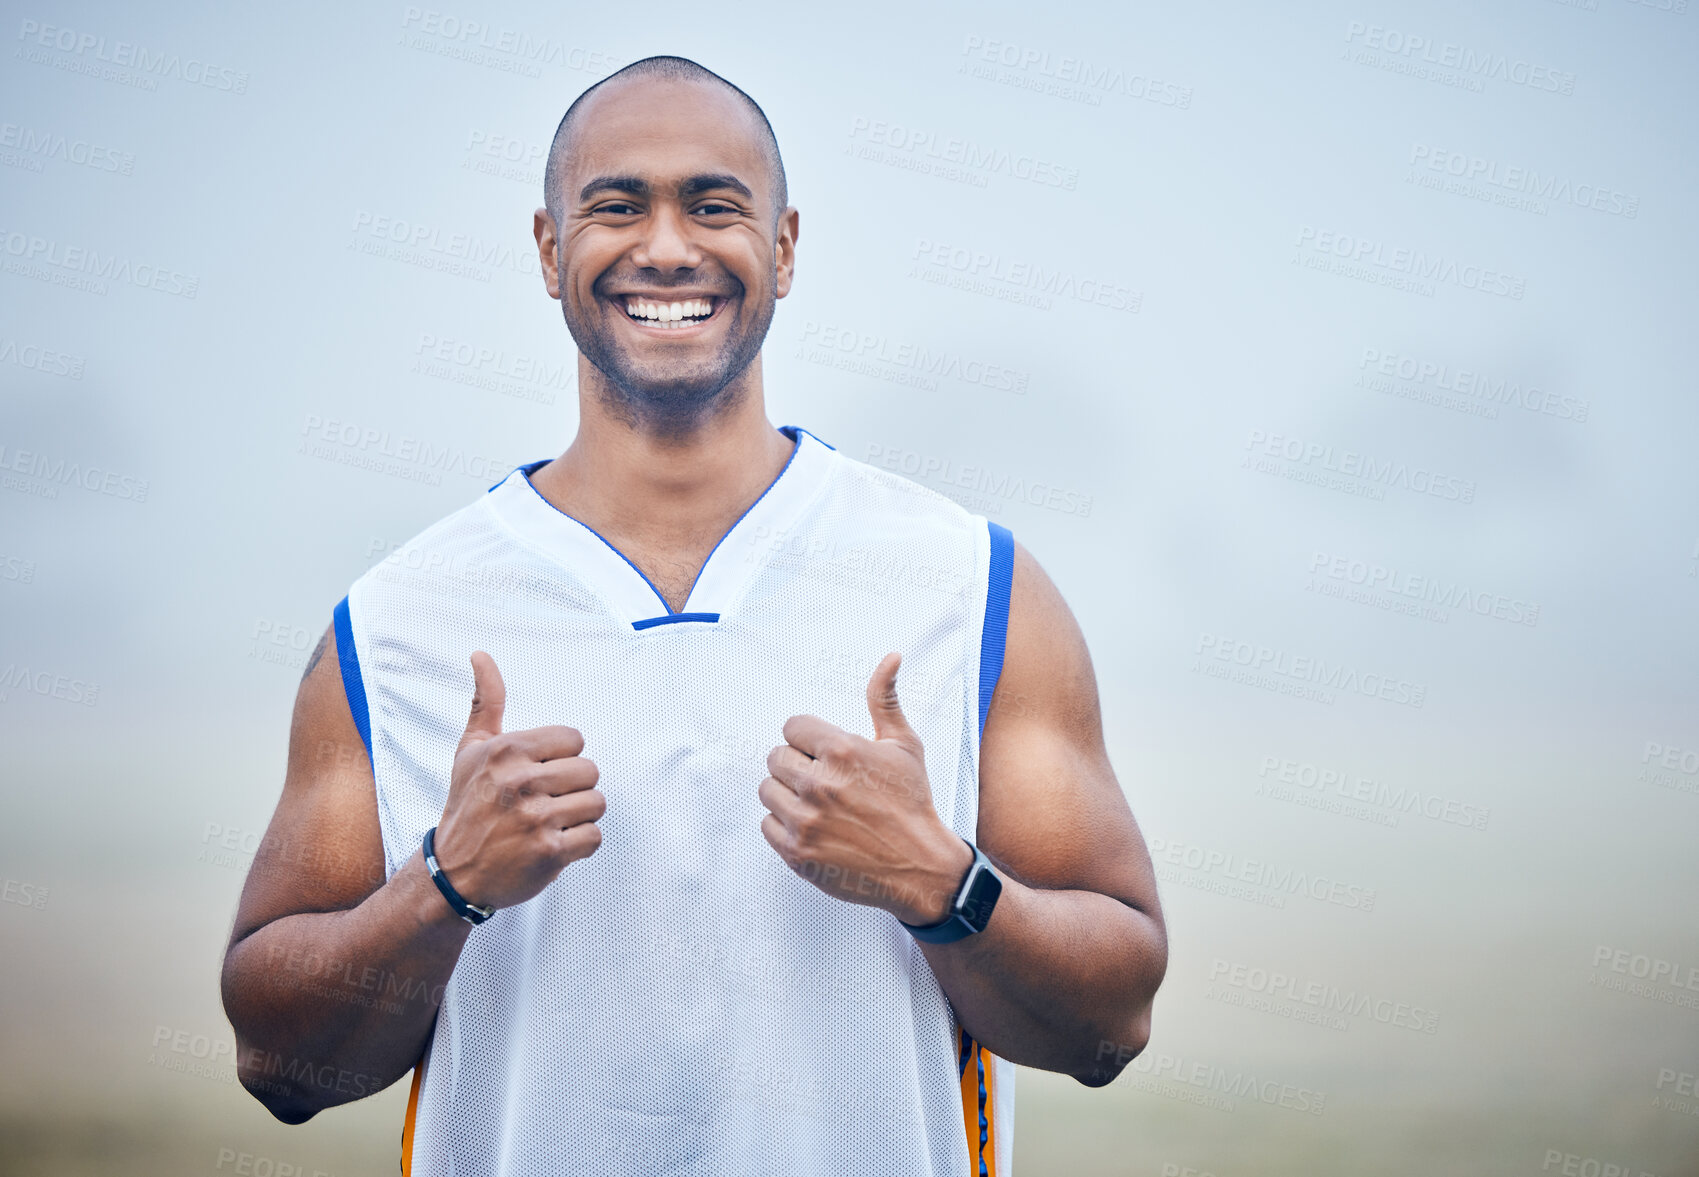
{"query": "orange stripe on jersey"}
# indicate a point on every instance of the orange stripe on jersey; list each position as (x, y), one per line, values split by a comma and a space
(978, 1118)
(407, 1125)
(988, 1103)
(970, 1099)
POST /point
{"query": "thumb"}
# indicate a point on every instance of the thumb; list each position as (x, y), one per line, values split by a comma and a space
(889, 723)
(489, 699)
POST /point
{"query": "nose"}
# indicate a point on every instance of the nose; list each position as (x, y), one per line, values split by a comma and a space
(665, 243)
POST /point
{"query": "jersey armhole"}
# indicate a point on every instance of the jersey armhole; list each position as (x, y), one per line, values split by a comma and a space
(995, 631)
(353, 684)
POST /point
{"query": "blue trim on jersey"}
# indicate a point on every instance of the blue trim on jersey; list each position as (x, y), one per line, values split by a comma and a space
(527, 473)
(789, 431)
(353, 683)
(528, 469)
(651, 622)
(795, 450)
(996, 629)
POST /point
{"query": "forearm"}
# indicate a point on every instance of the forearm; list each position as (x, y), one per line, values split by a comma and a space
(329, 1007)
(1058, 980)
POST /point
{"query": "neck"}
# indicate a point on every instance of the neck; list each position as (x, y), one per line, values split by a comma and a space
(633, 477)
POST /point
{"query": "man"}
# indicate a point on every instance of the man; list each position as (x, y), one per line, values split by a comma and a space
(849, 847)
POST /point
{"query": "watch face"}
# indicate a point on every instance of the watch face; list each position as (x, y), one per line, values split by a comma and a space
(981, 898)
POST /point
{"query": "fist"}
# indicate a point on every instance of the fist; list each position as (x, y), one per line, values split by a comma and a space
(854, 816)
(521, 805)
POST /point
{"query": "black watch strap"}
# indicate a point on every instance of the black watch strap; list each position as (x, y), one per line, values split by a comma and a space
(470, 912)
(971, 910)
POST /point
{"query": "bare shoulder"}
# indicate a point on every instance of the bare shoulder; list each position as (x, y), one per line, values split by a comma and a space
(323, 850)
(1051, 809)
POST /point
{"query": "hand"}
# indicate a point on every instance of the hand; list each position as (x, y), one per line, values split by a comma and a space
(854, 816)
(521, 805)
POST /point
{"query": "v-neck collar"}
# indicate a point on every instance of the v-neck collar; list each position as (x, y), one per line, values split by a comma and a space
(630, 594)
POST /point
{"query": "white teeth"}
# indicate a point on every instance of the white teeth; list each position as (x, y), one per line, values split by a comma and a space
(666, 314)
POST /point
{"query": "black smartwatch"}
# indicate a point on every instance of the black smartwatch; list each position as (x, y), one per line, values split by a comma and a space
(971, 910)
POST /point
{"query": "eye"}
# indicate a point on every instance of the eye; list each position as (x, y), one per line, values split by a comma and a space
(716, 208)
(618, 208)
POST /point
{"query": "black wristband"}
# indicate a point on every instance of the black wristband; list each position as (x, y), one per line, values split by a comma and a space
(470, 912)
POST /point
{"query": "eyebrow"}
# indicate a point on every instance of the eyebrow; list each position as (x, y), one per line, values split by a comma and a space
(690, 186)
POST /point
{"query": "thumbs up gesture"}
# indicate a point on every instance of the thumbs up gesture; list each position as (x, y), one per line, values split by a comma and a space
(854, 816)
(521, 805)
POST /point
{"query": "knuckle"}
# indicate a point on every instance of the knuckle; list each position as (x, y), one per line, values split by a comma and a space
(806, 827)
(583, 841)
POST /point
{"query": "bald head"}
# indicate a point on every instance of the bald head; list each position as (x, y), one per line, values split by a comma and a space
(667, 69)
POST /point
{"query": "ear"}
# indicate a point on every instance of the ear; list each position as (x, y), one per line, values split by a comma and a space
(784, 251)
(548, 250)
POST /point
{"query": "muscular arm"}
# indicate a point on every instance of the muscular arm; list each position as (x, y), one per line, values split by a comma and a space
(333, 976)
(1063, 976)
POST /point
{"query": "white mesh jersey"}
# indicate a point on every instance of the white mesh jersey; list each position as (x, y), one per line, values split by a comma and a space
(680, 1002)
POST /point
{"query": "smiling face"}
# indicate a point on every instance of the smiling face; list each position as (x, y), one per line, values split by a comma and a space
(669, 253)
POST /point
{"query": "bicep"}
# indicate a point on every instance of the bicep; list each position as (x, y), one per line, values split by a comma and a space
(323, 850)
(1050, 808)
